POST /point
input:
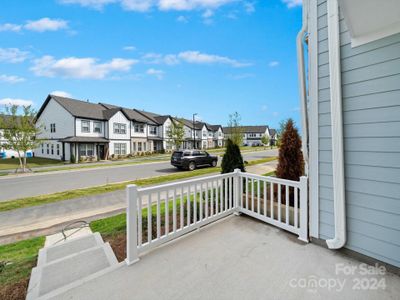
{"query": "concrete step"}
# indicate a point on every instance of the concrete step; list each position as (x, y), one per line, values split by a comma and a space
(69, 247)
(56, 272)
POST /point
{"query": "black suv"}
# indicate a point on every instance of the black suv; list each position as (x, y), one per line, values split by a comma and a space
(191, 159)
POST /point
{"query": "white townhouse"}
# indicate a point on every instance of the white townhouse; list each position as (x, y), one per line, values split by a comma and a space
(252, 135)
(74, 130)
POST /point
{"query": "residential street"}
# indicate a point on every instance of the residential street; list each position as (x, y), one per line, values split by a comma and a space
(51, 217)
(46, 183)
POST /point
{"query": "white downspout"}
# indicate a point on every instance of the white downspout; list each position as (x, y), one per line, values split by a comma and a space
(302, 84)
(337, 127)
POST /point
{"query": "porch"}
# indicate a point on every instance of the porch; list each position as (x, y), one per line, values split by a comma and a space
(82, 148)
(237, 258)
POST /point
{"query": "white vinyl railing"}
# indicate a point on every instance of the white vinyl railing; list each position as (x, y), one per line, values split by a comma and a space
(156, 215)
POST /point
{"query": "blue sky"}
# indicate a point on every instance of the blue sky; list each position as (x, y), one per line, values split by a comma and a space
(178, 57)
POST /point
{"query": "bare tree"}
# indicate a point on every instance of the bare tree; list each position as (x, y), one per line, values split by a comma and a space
(19, 131)
(236, 133)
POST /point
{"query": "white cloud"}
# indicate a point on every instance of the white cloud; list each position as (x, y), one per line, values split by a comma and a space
(10, 27)
(242, 76)
(129, 48)
(192, 57)
(275, 113)
(293, 3)
(15, 101)
(84, 68)
(11, 78)
(13, 55)
(196, 57)
(41, 25)
(61, 94)
(159, 74)
(46, 24)
(207, 14)
(146, 5)
(264, 107)
(249, 7)
(273, 63)
(182, 19)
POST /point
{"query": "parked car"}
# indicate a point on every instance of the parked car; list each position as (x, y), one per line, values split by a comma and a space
(191, 159)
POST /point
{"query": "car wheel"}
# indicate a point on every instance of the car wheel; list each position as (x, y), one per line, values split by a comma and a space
(192, 166)
(214, 163)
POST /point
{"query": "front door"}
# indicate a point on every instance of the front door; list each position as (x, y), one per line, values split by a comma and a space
(101, 151)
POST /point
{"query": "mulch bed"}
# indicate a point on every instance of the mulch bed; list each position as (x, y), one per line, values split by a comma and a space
(16, 291)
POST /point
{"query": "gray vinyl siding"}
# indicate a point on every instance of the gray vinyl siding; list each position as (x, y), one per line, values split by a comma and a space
(371, 117)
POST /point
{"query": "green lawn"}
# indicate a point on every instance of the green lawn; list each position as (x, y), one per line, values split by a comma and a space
(13, 163)
(50, 198)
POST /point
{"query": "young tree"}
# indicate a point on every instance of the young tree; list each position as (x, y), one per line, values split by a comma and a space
(232, 158)
(20, 131)
(291, 163)
(280, 130)
(176, 133)
(265, 140)
(236, 135)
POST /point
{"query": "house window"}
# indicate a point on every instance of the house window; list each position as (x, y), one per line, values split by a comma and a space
(144, 146)
(48, 148)
(139, 128)
(153, 130)
(134, 147)
(86, 149)
(204, 134)
(97, 127)
(85, 126)
(42, 148)
(119, 128)
(53, 127)
(120, 148)
(52, 149)
(58, 149)
(139, 146)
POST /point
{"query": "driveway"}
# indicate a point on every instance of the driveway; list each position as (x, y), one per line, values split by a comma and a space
(14, 187)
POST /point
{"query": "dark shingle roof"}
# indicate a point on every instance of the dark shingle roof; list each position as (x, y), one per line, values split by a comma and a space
(84, 139)
(81, 109)
(251, 129)
(272, 132)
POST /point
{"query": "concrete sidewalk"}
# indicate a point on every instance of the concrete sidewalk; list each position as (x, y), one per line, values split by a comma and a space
(49, 218)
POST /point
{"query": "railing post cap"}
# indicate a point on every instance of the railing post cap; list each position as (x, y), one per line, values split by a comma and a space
(237, 170)
(131, 186)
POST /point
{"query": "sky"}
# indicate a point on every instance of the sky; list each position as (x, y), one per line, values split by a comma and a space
(176, 57)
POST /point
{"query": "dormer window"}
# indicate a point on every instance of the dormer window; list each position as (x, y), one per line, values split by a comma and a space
(139, 128)
(53, 127)
(119, 128)
(153, 130)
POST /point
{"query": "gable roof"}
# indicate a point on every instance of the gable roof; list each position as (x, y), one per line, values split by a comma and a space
(246, 129)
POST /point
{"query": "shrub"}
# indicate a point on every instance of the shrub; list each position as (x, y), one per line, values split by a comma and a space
(232, 158)
(290, 163)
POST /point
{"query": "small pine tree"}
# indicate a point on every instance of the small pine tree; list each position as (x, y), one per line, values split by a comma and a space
(232, 158)
(291, 163)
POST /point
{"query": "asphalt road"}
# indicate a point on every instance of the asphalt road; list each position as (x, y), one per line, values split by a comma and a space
(52, 182)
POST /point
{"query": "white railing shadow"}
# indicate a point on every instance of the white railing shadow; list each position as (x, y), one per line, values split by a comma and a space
(159, 214)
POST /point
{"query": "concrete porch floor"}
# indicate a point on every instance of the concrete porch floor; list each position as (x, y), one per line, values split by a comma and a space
(238, 258)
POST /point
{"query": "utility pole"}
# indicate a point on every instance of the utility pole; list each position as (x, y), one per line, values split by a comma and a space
(194, 131)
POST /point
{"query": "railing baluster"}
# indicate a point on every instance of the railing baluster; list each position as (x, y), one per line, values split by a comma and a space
(258, 196)
(247, 193)
(232, 193)
(140, 221)
(149, 223)
(287, 204)
(252, 194)
(201, 202)
(212, 199)
(166, 220)
(174, 211)
(206, 204)
(215, 183)
(226, 193)
(158, 215)
(195, 203)
(279, 202)
(241, 191)
(265, 198)
(188, 205)
(181, 207)
(296, 210)
(221, 195)
(271, 200)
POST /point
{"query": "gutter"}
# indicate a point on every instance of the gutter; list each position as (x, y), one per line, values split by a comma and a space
(339, 239)
(300, 40)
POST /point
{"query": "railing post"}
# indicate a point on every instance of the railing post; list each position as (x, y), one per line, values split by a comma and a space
(236, 193)
(131, 225)
(303, 232)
